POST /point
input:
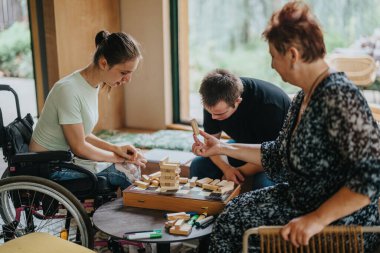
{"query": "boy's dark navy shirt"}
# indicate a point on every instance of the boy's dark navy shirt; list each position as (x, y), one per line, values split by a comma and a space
(258, 118)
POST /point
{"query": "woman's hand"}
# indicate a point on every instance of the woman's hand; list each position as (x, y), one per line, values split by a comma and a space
(212, 145)
(301, 229)
(131, 155)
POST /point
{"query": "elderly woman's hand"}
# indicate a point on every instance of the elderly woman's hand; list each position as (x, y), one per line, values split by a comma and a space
(211, 146)
(299, 230)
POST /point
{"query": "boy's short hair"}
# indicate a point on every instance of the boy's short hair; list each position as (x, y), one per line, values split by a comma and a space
(220, 85)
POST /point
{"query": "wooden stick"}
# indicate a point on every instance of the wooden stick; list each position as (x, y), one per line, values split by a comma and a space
(194, 125)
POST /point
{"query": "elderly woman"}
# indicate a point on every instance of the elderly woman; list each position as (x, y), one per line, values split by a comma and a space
(326, 160)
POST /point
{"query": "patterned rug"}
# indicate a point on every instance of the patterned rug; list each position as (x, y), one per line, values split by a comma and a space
(163, 139)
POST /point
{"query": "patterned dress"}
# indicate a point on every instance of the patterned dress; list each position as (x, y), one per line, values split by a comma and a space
(336, 144)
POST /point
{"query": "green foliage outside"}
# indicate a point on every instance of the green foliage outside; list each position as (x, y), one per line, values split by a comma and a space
(227, 34)
(15, 51)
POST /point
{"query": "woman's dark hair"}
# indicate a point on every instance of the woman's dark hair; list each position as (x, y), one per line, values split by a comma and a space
(220, 85)
(295, 25)
(115, 47)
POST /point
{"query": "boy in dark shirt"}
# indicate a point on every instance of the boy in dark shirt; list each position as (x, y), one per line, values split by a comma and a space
(249, 111)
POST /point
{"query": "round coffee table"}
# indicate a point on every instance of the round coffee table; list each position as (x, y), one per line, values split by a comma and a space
(115, 219)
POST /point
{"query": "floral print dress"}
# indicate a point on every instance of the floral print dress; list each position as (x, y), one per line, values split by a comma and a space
(336, 144)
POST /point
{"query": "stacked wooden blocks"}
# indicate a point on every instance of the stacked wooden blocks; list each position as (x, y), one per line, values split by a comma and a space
(169, 179)
(177, 223)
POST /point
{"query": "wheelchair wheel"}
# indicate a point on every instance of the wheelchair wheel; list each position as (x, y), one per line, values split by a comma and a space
(32, 204)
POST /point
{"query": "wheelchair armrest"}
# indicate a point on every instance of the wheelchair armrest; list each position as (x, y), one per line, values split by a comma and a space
(42, 157)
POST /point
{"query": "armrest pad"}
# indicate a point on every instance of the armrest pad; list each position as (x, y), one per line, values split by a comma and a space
(47, 156)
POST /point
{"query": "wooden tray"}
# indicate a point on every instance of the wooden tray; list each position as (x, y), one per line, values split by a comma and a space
(182, 200)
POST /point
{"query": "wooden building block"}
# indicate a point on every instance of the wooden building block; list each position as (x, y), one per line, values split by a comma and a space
(202, 181)
(192, 181)
(210, 187)
(185, 229)
(215, 182)
(183, 180)
(155, 183)
(164, 160)
(169, 177)
(222, 183)
(179, 223)
(172, 163)
(169, 188)
(194, 126)
(155, 175)
(228, 187)
(170, 223)
(176, 216)
(146, 178)
(141, 184)
(167, 168)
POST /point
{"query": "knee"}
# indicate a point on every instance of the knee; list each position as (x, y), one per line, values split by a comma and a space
(196, 166)
(118, 179)
(261, 180)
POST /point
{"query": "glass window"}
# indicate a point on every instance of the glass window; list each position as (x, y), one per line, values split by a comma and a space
(16, 65)
(227, 34)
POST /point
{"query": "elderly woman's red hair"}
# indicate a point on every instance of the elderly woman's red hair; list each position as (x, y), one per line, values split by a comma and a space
(294, 25)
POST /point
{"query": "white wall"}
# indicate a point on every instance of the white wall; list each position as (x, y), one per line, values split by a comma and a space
(148, 98)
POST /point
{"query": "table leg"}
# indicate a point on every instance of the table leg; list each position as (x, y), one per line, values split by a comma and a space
(204, 243)
(163, 247)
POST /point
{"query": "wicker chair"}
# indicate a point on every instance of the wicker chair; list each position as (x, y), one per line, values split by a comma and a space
(332, 239)
(360, 69)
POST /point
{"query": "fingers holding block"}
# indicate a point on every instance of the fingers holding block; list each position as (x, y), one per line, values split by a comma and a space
(194, 125)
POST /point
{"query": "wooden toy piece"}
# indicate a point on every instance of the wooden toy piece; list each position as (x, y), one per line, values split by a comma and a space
(146, 178)
(155, 183)
(202, 181)
(228, 187)
(222, 183)
(141, 184)
(155, 175)
(170, 223)
(210, 187)
(163, 160)
(215, 182)
(179, 223)
(180, 215)
(194, 125)
(185, 229)
(192, 181)
(183, 180)
(170, 166)
(165, 188)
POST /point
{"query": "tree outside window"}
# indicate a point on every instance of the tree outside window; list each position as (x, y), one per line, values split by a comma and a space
(227, 34)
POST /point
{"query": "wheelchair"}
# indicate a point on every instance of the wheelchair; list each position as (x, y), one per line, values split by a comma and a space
(31, 202)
